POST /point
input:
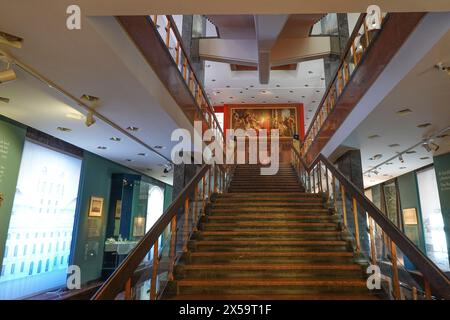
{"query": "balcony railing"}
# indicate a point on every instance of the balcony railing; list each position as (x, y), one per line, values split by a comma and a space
(375, 239)
(358, 45)
(167, 29)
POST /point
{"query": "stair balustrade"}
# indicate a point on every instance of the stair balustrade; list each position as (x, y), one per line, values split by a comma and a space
(404, 271)
(148, 268)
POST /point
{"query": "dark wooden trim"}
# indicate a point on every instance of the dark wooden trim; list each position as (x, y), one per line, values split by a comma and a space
(53, 143)
(396, 29)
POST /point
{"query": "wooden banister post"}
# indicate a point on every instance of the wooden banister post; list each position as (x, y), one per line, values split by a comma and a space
(355, 220)
(154, 271)
(127, 290)
(195, 207)
(186, 224)
(344, 207)
(373, 253)
(173, 240)
(395, 280)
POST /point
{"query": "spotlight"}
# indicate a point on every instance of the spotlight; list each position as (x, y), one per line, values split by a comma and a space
(168, 168)
(434, 146)
(376, 172)
(400, 157)
(4, 100)
(7, 75)
(426, 146)
(90, 119)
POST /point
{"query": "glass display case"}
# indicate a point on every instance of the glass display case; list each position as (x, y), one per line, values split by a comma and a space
(135, 205)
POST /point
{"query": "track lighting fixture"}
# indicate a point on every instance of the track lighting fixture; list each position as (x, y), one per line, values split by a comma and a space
(168, 168)
(9, 74)
(4, 100)
(400, 158)
(430, 146)
(90, 119)
(10, 40)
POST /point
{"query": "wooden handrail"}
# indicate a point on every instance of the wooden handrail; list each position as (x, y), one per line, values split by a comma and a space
(437, 279)
(350, 41)
(180, 41)
(116, 282)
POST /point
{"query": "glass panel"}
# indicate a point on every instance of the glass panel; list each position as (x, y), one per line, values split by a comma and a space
(390, 195)
(40, 231)
(435, 240)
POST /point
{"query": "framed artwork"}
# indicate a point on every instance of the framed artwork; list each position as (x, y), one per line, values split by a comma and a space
(139, 227)
(118, 210)
(283, 119)
(410, 216)
(96, 207)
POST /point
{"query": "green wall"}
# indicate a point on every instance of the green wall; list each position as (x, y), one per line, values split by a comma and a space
(442, 168)
(409, 198)
(95, 180)
(90, 232)
(12, 138)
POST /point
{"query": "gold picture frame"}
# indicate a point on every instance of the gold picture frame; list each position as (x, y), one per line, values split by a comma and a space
(96, 207)
(284, 118)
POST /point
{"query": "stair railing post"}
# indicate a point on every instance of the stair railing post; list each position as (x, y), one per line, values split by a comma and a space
(355, 220)
(427, 289)
(319, 173)
(173, 240)
(313, 181)
(203, 194)
(395, 280)
(373, 253)
(326, 181)
(195, 207)
(209, 183)
(127, 290)
(154, 271)
(344, 207)
(215, 178)
(186, 224)
(333, 183)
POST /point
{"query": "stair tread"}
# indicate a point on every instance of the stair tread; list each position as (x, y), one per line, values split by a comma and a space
(322, 296)
(271, 266)
(271, 282)
(266, 232)
(268, 242)
(273, 254)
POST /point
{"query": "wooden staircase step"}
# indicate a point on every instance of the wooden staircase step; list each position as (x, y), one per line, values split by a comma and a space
(270, 216)
(267, 232)
(271, 224)
(270, 297)
(270, 266)
(273, 254)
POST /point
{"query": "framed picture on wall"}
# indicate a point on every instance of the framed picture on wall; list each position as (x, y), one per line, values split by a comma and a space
(118, 210)
(96, 207)
(139, 227)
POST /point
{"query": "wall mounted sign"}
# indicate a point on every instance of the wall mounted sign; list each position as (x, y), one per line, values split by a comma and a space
(410, 216)
(96, 207)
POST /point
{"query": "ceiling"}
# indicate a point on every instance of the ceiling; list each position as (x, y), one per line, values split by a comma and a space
(98, 60)
(304, 85)
(424, 91)
(139, 7)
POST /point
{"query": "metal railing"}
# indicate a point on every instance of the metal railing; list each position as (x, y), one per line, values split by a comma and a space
(148, 268)
(375, 239)
(170, 36)
(357, 46)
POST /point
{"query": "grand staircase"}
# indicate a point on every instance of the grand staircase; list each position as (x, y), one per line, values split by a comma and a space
(268, 239)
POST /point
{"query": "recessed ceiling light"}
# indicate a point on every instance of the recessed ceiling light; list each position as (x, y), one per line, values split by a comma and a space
(163, 176)
(376, 157)
(317, 91)
(142, 154)
(401, 168)
(217, 92)
(314, 101)
(264, 102)
(128, 160)
(424, 158)
(63, 129)
(410, 152)
(277, 85)
(303, 96)
(228, 86)
(241, 91)
(404, 112)
(208, 66)
(253, 97)
(276, 97)
(115, 139)
(231, 98)
(310, 110)
(394, 145)
(149, 169)
(242, 102)
(73, 115)
(291, 91)
(373, 136)
(102, 147)
(252, 86)
(322, 79)
(159, 147)
(213, 80)
(131, 128)
(424, 125)
(310, 72)
(388, 163)
(306, 85)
